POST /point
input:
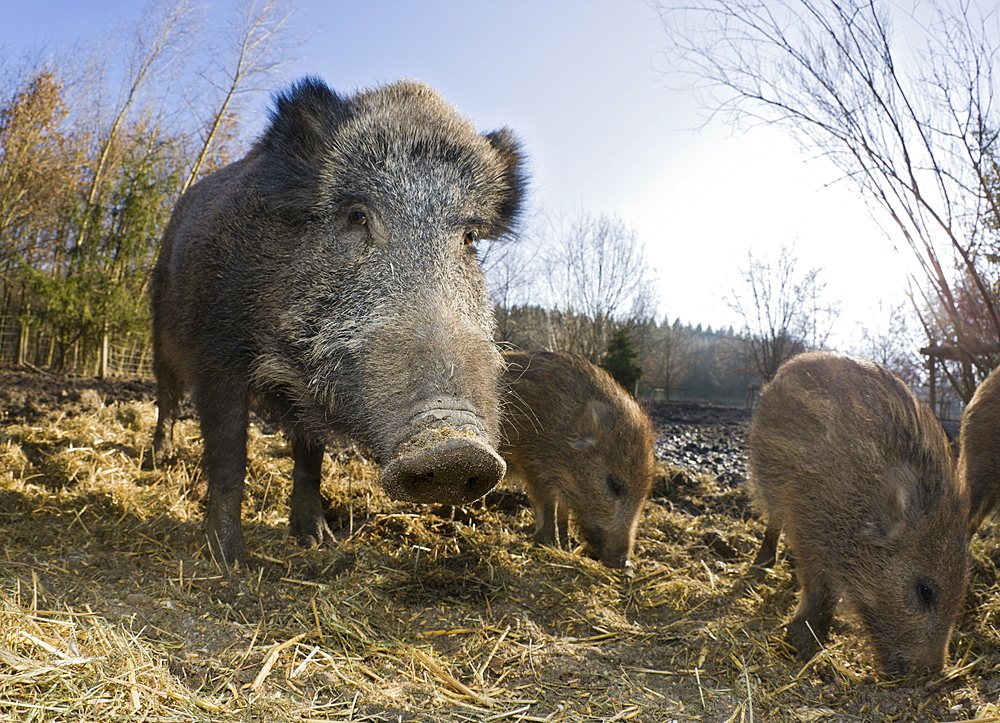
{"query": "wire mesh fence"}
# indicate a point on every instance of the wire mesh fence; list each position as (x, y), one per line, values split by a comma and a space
(132, 356)
(23, 343)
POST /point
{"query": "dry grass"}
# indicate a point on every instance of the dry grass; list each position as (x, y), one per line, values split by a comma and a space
(111, 612)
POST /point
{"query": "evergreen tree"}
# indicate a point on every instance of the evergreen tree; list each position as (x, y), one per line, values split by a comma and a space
(620, 359)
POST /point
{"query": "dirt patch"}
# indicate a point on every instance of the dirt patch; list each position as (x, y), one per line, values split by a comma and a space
(30, 396)
(109, 609)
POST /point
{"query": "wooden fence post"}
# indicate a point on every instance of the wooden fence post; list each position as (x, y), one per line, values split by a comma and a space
(103, 371)
(22, 342)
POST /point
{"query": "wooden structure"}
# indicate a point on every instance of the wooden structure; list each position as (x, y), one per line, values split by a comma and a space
(962, 353)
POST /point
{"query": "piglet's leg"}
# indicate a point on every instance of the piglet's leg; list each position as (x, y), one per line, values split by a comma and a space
(817, 602)
(543, 501)
(562, 522)
(769, 547)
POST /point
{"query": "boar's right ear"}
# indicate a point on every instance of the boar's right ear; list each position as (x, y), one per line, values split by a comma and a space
(303, 120)
(515, 178)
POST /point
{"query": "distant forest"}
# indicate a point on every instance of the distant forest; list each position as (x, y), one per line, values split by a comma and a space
(674, 360)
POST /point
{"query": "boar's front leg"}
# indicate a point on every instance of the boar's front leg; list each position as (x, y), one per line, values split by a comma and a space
(306, 522)
(168, 401)
(223, 406)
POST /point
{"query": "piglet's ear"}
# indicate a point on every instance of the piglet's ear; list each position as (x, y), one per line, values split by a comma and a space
(593, 422)
(899, 488)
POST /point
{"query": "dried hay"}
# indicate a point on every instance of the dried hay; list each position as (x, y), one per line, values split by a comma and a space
(111, 611)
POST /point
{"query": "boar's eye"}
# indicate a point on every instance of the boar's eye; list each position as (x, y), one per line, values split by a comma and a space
(470, 237)
(357, 216)
(925, 593)
(615, 486)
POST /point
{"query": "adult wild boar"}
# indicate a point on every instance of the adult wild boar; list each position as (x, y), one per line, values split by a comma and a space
(858, 475)
(329, 280)
(580, 444)
(979, 458)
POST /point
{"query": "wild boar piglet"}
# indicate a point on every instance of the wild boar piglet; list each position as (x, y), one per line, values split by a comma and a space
(979, 457)
(858, 475)
(581, 445)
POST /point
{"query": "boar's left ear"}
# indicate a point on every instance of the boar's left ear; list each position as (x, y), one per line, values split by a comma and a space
(593, 423)
(515, 178)
(303, 120)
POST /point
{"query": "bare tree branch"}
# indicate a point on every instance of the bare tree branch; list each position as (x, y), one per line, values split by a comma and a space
(783, 312)
(164, 24)
(259, 45)
(917, 135)
(598, 274)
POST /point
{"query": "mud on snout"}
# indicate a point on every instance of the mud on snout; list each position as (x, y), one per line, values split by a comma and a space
(445, 458)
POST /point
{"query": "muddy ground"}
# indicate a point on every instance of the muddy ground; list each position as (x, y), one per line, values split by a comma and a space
(109, 609)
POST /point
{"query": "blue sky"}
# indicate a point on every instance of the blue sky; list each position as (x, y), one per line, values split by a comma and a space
(582, 83)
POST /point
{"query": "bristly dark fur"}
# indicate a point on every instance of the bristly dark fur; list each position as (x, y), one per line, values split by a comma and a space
(302, 120)
(515, 177)
(304, 131)
(329, 279)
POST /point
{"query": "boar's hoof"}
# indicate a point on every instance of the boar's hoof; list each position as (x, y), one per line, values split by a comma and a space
(308, 527)
(454, 472)
(224, 531)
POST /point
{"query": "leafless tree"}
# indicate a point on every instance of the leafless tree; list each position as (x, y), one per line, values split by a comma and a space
(257, 42)
(962, 365)
(597, 276)
(905, 110)
(892, 338)
(513, 265)
(667, 356)
(784, 312)
(155, 41)
(512, 272)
